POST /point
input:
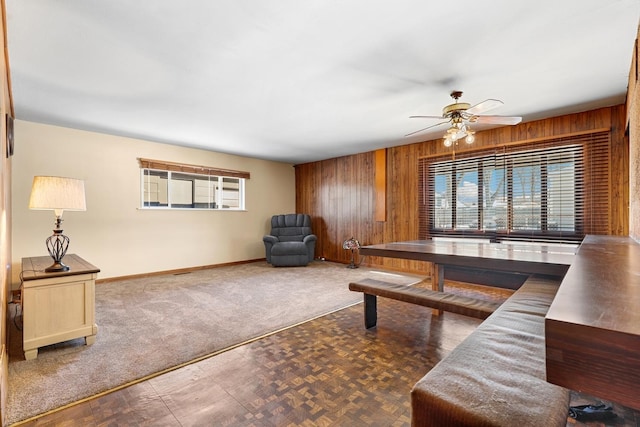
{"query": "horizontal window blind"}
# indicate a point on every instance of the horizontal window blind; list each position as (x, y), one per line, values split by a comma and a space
(169, 185)
(200, 170)
(557, 189)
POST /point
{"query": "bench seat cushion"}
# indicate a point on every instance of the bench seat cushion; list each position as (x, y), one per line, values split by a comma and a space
(496, 377)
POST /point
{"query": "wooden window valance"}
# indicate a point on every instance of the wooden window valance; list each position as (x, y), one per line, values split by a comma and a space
(197, 169)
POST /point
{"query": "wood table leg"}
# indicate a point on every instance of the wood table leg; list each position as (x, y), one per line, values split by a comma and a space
(437, 282)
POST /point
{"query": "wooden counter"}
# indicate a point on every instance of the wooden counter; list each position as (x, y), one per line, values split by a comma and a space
(592, 328)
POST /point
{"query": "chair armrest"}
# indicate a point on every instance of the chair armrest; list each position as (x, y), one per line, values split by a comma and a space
(310, 238)
(270, 239)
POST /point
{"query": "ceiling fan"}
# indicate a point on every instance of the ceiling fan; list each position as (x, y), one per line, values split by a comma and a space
(461, 114)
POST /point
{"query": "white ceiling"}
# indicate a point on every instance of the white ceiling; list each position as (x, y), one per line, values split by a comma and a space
(305, 80)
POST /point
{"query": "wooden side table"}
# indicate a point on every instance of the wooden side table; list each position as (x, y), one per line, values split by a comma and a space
(58, 306)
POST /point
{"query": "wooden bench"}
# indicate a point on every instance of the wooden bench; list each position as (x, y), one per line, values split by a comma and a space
(425, 297)
(496, 376)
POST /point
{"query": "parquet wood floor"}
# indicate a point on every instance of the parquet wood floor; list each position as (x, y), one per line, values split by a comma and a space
(326, 372)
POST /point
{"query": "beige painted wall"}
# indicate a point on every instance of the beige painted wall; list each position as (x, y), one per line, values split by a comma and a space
(113, 233)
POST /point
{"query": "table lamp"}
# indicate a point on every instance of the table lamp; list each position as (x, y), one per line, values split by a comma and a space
(351, 244)
(57, 194)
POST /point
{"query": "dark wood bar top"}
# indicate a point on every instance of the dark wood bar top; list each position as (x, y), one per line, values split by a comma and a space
(593, 325)
(33, 267)
(521, 258)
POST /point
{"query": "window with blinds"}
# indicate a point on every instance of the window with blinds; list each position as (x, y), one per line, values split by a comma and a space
(178, 186)
(551, 190)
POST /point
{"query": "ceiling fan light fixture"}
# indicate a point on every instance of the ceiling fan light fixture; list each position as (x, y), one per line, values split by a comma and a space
(460, 114)
(451, 136)
(470, 137)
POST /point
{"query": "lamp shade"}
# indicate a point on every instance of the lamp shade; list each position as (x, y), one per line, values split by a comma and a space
(351, 243)
(57, 193)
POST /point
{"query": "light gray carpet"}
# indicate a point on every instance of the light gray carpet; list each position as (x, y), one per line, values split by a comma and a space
(149, 325)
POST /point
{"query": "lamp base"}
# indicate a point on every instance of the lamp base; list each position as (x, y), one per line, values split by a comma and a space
(57, 246)
(352, 264)
(56, 267)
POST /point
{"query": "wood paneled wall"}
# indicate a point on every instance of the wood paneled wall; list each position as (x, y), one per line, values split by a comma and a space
(340, 196)
(633, 120)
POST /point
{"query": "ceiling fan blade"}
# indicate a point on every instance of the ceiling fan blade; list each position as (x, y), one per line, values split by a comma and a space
(428, 127)
(484, 106)
(496, 120)
(427, 117)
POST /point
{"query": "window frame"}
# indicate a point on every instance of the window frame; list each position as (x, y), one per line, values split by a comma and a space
(591, 153)
(176, 175)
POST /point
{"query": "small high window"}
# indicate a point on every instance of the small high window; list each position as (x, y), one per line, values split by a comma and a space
(166, 185)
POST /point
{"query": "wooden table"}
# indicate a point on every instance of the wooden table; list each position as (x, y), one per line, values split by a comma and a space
(592, 328)
(520, 258)
(57, 306)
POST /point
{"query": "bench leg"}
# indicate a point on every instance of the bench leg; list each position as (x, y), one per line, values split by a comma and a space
(370, 311)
